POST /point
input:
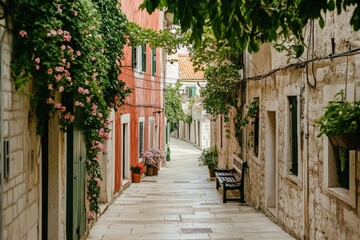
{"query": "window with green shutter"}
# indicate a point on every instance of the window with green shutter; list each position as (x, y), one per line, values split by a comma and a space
(141, 138)
(190, 91)
(133, 57)
(293, 133)
(153, 61)
(143, 58)
(256, 125)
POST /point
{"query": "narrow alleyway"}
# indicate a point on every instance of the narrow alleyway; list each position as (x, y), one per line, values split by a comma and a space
(181, 203)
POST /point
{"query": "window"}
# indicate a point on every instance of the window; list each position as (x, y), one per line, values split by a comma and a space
(293, 134)
(153, 61)
(141, 138)
(143, 58)
(133, 57)
(256, 132)
(342, 159)
(190, 91)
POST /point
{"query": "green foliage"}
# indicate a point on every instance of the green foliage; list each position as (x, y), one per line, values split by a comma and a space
(173, 108)
(165, 39)
(246, 24)
(252, 110)
(340, 118)
(209, 157)
(70, 52)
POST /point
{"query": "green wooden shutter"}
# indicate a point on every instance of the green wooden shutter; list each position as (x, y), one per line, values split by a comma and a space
(293, 134)
(193, 91)
(143, 58)
(154, 61)
(133, 57)
(141, 137)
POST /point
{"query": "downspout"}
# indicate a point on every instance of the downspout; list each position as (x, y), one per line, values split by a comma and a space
(1, 136)
(306, 163)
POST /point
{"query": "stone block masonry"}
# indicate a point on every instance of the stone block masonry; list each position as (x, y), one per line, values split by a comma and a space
(20, 196)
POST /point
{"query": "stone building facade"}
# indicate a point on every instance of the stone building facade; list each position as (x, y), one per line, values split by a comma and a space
(292, 174)
(20, 156)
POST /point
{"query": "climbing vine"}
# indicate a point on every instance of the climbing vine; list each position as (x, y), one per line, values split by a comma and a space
(70, 52)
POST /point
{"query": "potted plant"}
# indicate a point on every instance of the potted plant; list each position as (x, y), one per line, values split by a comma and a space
(341, 122)
(153, 159)
(137, 170)
(209, 158)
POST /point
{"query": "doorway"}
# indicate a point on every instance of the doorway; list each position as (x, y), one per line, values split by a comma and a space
(76, 182)
(271, 164)
(125, 152)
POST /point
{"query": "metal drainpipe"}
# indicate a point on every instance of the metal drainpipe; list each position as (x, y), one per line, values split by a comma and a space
(306, 162)
(1, 137)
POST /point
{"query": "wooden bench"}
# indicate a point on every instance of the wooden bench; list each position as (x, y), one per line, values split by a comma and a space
(229, 179)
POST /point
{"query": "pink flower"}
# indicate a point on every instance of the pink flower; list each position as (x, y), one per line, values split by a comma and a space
(78, 53)
(58, 77)
(37, 67)
(60, 31)
(75, 13)
(50, 71)
(68, 65)
(63, 47)
(100, 115)
(68, 78)
(94, 107)
(67, 38)
(86, 91)
(88, 99)
(59, 69)
(63, 108)
(61, 89)
(80, 90)
(89, 215)
(57, 105)
(37, 60)
(77, 103)
(50, 87)
(23, 33)
(53, 32)
(50, 101)
(92, 58)
(86, 82)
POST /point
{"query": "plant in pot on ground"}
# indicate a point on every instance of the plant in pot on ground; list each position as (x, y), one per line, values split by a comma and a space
(137, 170)
(209, 158)
(341, 122)
(153, 159)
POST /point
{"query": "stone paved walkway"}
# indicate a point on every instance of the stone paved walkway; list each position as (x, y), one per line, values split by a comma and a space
(181, 203)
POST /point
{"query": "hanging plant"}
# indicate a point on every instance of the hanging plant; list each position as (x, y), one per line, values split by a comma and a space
(341, 122)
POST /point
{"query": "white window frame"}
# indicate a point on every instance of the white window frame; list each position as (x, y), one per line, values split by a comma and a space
(141, 120)
(293, 90)
(330, 184)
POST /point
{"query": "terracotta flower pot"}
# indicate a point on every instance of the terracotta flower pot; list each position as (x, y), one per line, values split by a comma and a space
(212, 172)
(136, 177)
(156, 171)
(149, 171)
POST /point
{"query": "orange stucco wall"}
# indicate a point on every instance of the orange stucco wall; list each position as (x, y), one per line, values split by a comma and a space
(146, 99)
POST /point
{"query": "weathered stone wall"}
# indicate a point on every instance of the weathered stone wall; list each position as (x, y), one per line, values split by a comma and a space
(21, 189)
(306, 204)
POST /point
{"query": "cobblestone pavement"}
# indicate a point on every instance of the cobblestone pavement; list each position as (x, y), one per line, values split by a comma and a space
(181, 203)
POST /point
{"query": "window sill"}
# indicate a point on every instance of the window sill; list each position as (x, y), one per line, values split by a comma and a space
(343, 194)
(295, 180)
(255, 159)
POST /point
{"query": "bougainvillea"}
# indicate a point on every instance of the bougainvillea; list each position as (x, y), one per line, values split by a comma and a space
(72, 59)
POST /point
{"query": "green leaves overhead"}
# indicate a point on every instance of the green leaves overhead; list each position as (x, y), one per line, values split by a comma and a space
(248, 23)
